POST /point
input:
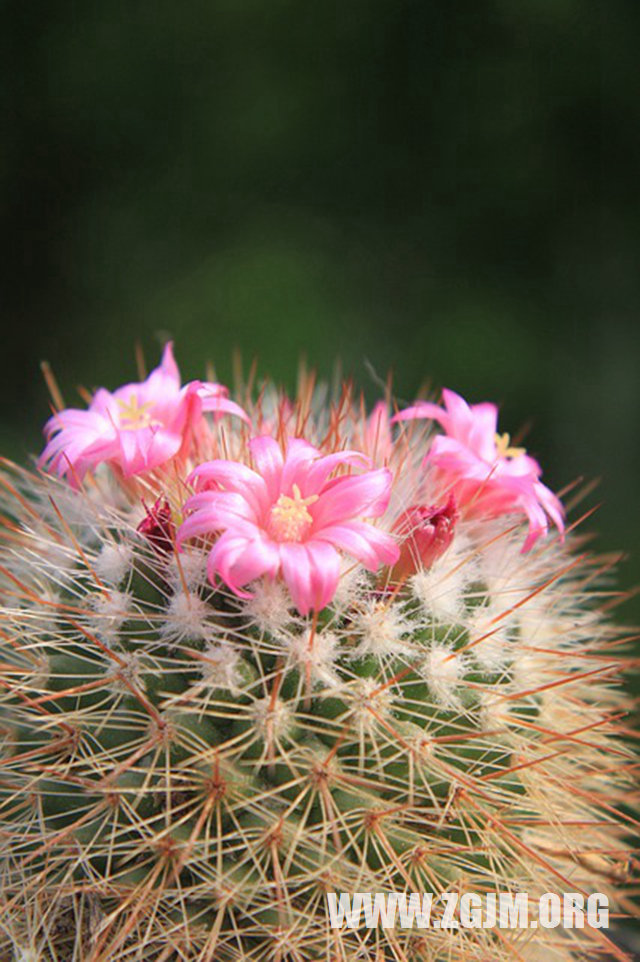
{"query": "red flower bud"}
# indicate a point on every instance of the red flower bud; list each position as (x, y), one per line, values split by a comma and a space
(158, 528)
(427, 532)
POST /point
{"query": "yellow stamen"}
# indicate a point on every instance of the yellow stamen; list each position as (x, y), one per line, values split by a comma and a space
(290, 519)
(504, 449)
(134, 415)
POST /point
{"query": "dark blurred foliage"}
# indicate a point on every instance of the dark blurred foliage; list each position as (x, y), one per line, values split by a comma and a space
(448, 189)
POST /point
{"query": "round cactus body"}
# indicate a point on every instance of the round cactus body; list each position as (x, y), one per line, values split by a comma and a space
(259, 651)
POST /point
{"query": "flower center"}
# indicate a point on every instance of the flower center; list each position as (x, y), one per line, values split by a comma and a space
(290, 519)
(134, 415)
(504, 449)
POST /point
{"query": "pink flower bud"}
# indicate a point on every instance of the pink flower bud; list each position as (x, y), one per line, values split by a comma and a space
(427, 531)
(158, 528)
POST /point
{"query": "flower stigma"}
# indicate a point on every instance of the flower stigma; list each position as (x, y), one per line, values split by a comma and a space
(133, 415)
(290, 519)
(504, 449)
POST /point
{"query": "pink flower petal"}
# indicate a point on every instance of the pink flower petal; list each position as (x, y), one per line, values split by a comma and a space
(479, 433)
(421, 409)
(146, 448)
(214, 398)
(311, 572)
(77, 440)
(222, 507)
(297, 466)
(239, 561)
(234, 476)
(364, 494)
(452, 456)
(324, 563)
(369, 545)
(168, 364)
(104, 404)
(268, 460)
(163, 382)
(551, 504)
(323, 466)
(203, 524)
(537, 523)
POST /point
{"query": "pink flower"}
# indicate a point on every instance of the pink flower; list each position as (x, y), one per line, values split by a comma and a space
(487, 475)
(137, 427)
(427, 531)
(288, 517)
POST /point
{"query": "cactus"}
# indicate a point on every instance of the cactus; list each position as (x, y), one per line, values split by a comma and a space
(203, 735)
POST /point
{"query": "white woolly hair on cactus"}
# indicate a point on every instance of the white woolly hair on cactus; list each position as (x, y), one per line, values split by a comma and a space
(259, 649)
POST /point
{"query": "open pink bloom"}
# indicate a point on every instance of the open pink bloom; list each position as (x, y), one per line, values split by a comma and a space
(137, 427)
(487, 475)
(289, 517)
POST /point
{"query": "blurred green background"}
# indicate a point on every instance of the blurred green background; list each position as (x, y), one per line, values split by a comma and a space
(449, 189)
